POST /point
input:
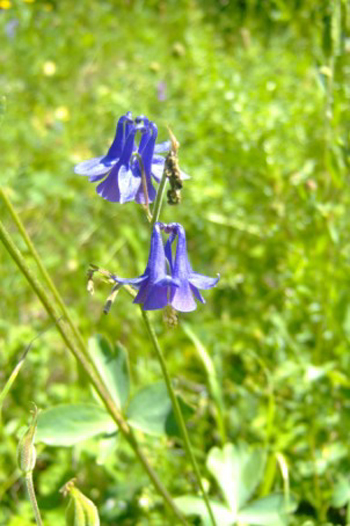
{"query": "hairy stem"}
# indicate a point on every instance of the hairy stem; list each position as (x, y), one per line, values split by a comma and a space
(32, 497)
(68, 337)
(178, 413)
(159, 199)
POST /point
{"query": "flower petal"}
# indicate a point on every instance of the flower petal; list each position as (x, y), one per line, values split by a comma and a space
(162, 147)
(94, 167)
(95, 178)
(108, 189)
(182, 298)
(137, 282)
(128, 184)
(197, 294)
(202, 282)
(184, 175)
(140, 196)
(168, 253)
(168, 281)
(157, 298)
(158, 159)
(116, 148)
(143, 292)
(157, 171)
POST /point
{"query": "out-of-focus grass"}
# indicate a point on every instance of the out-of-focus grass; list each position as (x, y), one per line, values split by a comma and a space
(248, 92)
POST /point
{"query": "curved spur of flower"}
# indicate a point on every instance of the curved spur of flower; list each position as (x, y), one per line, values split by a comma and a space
(98, 167)
(183, 297)
(146, 152)
(154, 286)
(122, 183)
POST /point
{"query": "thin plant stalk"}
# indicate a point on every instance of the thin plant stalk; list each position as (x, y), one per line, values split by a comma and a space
(177, 410)
(159, 199)
(32, 498)
(68, 337)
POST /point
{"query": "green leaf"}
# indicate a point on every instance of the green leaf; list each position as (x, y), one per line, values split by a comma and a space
(341, 493)
(68, 424)
(151, 411)
(238, 471)
(191, 505)
(268, 511)
(112, 364)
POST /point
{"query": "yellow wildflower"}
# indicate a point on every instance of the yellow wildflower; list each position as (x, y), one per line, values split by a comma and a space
(62, 114)
(5, 4)
(49, 68)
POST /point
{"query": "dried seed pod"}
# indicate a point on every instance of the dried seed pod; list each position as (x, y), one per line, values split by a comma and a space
(173, 172)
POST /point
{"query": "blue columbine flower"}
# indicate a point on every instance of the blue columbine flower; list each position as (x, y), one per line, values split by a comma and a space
(119, 172)
(182, 298)
(154, 284)
(157, 288)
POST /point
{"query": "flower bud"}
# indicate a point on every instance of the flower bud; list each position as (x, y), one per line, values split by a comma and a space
(80, 511)
(26, 453)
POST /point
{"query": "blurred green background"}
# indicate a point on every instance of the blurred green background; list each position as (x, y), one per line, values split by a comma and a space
(258, 94)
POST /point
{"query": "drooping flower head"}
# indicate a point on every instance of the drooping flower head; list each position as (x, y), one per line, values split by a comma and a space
(133, 152)
(183, 297)
(169, 279)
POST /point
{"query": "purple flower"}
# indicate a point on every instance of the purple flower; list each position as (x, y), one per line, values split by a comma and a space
(154, 284)
(161, 91)
(120, 171)
(11, 28)
(183, 297)
(156, 288)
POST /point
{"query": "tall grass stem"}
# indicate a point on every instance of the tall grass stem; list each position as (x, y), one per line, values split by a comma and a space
(177, 410)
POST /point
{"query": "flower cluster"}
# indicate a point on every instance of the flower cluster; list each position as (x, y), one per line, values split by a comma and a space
(119, 173)
(180, 287)
(125, 174)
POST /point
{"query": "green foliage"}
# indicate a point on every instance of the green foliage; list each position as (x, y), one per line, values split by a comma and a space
(258, 95)
(151, 411)
(67, 424)
(112, 365)
(238, 471)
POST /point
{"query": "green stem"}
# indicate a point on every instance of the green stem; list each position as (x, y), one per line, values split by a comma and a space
(50, 284)
(32, 498)
(68, 337)
(178, 413)
(159, 199)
